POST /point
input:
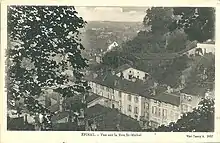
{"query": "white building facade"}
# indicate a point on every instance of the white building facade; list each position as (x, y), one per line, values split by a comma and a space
(153, 110)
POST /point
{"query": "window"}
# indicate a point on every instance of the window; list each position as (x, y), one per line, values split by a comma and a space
(106, 102)
(164, 113)
(129, 108)
(129, 71)
(97, 86)
(185, 108)
(119, 103)
(138, 77)
(176, 115)
(119, 94)
(136, 99)
(113, 91)
(146, 106)
(113, 105)
(159, 112)
(171, 114)
(130, 76)
(136, 110)
(113, 97)
(129, 97)
(146, 76)
(154, 109)
(102, 87)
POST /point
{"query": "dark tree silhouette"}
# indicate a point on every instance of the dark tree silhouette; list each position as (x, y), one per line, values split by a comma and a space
(44, 44)
(198, 23)
(159, 18)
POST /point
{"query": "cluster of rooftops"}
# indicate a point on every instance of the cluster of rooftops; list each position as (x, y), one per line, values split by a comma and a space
(141, 88)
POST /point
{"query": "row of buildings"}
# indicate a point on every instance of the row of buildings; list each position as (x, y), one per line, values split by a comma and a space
(135, 94)
(129, 94)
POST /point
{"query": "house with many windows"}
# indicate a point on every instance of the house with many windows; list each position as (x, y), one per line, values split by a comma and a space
(142, 99)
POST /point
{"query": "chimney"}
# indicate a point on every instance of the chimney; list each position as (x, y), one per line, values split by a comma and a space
(153, 91)
(155, 85)
(113, 72)
(116, 82)
(154, 88)
(168, 89)
(121, 75)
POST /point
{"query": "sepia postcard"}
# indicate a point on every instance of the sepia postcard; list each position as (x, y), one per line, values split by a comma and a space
(91, 71)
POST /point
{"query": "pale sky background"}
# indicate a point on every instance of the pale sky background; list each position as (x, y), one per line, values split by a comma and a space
(112, 13)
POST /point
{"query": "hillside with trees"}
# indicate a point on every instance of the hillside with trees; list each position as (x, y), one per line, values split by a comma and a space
(100, 34)
(169, 35)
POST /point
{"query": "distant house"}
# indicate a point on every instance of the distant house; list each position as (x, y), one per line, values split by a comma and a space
(61, 117)
(112, 46)
(98, 58)
(200, 48)
(207, 47)
(193, 93)
(50, 100)
(130, 73)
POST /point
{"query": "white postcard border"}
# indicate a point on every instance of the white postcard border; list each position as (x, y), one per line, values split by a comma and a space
(72, 137)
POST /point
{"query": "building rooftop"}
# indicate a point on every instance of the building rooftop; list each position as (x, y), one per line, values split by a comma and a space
(139, 88)
(165, 56)
(156, 56)
(92, 97)
(18, 124)
(54, 108)
(168, 98)
(113, 81)
(162, 96)
(189, 46)
(195, 89)
(59, 116)
(208, 42)
(108, 119)
(69, 126)
(122, 68)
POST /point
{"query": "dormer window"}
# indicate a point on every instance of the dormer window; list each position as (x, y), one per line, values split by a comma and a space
(129, 71)
(146, 76)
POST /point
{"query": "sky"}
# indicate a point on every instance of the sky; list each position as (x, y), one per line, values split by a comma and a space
(127, 14)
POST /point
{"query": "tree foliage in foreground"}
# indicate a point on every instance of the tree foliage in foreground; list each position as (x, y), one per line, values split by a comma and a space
(197, 22)
(46, 45)
(200, 119)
